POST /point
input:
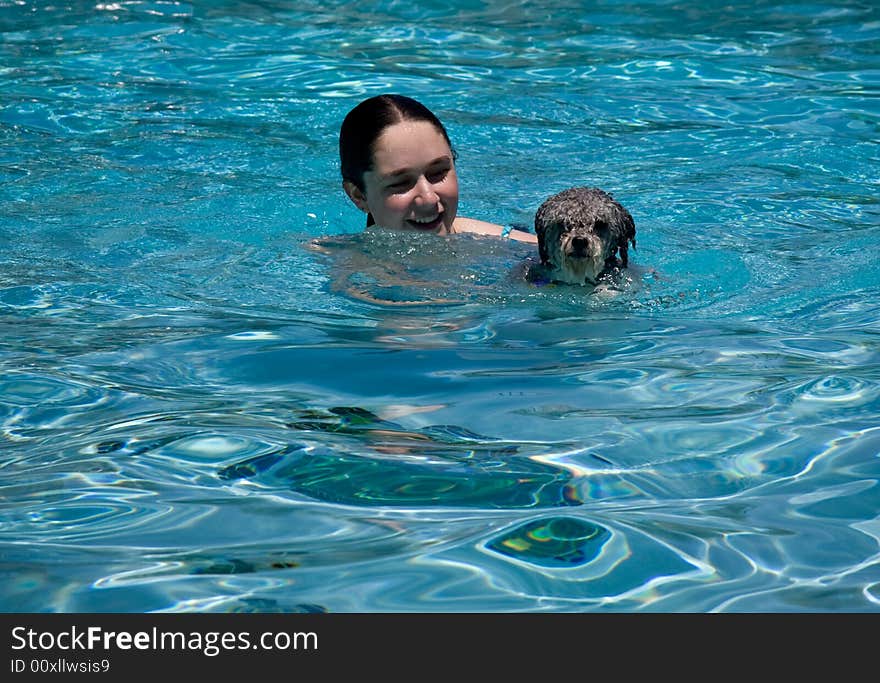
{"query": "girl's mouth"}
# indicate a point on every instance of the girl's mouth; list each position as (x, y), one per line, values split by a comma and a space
(422, 224)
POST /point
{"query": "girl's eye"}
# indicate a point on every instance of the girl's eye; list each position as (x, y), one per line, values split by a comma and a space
(400, 185)
(438, 176)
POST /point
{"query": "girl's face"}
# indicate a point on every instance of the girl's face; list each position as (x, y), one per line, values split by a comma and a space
(412, 185)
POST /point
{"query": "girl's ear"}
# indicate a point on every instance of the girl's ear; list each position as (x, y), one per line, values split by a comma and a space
(356, 195)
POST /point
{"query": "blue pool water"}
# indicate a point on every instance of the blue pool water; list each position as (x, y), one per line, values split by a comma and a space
(198, 413)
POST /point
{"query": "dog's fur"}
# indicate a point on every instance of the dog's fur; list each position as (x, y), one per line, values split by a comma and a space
(582, 234)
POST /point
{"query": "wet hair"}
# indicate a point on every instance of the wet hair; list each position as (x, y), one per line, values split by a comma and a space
(364, 124)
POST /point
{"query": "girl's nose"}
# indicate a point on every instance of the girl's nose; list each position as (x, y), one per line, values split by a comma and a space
(425, 192)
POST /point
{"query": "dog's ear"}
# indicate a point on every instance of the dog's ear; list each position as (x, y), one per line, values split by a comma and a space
(626, 237)
(541, 232)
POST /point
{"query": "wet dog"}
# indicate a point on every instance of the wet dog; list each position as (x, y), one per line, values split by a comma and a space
(583, 233)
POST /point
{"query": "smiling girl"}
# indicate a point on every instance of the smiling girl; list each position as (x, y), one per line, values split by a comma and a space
(398, 166)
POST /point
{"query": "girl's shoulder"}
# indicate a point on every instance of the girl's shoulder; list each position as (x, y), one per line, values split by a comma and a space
(479, 227)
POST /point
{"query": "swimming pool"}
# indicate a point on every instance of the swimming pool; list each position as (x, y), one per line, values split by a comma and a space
(196, 418)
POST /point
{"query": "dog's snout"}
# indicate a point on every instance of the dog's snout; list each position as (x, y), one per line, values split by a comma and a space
(579, 246)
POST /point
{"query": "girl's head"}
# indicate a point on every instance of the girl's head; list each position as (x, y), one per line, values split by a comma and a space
(398, 164)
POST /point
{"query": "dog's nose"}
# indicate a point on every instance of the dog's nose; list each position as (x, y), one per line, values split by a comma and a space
(579, 246)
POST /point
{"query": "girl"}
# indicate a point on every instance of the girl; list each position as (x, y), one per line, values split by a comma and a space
(398, 166)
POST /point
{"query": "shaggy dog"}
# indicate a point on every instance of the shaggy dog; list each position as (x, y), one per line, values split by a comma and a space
(582, 234)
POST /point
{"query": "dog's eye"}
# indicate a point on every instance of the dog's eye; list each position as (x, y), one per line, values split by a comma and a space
(601, 227)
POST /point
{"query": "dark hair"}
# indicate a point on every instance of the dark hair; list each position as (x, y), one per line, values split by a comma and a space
(364, 124)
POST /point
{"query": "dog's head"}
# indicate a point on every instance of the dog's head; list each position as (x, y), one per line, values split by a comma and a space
(582, 232)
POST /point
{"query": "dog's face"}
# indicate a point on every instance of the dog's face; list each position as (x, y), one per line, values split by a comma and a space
(580, 233)
(575, 254)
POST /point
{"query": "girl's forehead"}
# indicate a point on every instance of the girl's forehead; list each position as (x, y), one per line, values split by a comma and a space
(409, 144)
